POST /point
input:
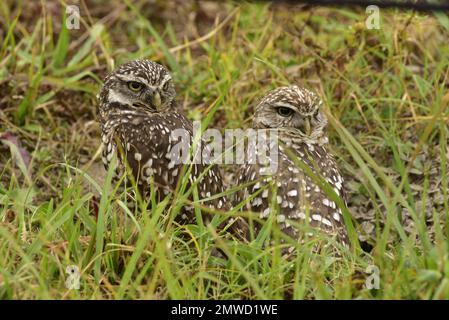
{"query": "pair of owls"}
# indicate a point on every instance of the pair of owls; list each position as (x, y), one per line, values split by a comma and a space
(138, 113)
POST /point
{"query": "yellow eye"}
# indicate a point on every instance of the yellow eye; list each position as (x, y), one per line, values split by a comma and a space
(134, 85)
(285, 112)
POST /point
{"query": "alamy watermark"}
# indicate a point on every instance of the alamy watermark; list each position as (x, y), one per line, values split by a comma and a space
(72, 20)
(373, 19)
(373, 280)
(73, 280)
(237, 146)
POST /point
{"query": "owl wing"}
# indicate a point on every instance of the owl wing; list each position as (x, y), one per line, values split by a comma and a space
(297, 196)
(322, 211)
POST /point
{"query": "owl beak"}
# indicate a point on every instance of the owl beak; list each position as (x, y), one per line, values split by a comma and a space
(307, 128)
(156, 100)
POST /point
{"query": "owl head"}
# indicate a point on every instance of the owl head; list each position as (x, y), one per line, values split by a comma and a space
(293, 108)
(139, 84)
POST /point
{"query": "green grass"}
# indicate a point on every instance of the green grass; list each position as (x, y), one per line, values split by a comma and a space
(386, 96)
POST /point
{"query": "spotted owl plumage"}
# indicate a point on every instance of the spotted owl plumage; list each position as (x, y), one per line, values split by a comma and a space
(138, 113)
(294, 113)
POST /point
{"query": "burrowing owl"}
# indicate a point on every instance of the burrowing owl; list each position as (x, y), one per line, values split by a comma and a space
(138, 113)
(295, 114)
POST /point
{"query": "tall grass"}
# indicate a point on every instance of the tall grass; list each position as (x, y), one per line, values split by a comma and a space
(386, 98)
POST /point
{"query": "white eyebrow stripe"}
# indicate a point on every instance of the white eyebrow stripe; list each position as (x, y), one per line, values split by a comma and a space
(126, 77)
(166, 78)
(143, 80)
(285, 104)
